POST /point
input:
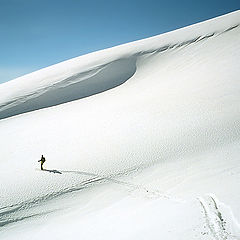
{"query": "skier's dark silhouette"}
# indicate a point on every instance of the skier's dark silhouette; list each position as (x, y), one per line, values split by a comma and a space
(42, 160)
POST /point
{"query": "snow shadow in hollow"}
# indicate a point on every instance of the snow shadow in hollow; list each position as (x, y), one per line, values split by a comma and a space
(18, 219)
(81, 85)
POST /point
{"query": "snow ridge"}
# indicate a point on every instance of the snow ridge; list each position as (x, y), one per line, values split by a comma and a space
(89, 82)
(132, 135)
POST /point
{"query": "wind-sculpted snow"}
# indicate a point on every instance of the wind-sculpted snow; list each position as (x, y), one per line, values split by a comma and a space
(77, 86)
(141, 133)
(83, 79)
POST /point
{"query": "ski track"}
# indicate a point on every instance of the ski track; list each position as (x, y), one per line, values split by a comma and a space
(9, 214)
(215, 221)
(219, 223)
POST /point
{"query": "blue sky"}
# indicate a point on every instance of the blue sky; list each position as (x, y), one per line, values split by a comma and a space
(38, 33)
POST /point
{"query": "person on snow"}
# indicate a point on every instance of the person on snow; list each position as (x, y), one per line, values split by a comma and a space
(42, 160)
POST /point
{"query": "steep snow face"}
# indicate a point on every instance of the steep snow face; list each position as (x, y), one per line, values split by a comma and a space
(100, 71)
(129, 133)
(71, 87)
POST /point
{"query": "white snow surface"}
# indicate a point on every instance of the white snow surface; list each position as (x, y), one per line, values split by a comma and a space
(142, 141)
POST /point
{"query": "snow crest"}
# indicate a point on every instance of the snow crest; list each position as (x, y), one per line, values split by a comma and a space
(131, 134)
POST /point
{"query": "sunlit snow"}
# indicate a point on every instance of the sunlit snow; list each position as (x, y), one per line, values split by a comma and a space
(142, 141)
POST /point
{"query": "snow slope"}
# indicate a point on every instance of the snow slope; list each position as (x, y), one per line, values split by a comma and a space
(141, 141)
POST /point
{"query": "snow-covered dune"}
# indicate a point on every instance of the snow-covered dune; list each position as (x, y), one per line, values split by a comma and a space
(137, 138)
(99, 71)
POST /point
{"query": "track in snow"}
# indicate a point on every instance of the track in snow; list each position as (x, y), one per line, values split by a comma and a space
(24, 210)
(216, 223)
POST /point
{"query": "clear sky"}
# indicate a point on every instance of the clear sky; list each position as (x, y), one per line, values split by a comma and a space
(38, 33)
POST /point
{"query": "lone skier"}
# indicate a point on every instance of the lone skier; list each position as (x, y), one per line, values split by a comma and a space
(42, 160)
